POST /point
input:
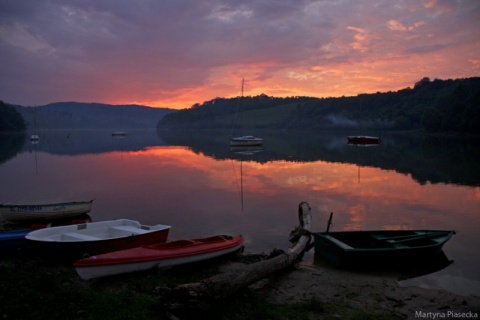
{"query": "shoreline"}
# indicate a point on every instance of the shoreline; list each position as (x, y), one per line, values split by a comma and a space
(323, 290)
(360, 290)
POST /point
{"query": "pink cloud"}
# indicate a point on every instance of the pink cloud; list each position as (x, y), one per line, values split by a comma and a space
(179, 53)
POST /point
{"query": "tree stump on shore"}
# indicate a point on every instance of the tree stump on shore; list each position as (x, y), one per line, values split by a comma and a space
(207, 291)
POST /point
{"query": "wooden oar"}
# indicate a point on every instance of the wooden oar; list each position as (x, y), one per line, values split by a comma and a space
(329, 222)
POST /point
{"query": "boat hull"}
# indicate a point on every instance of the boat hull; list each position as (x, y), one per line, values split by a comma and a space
(77, 241)
(246, 141)
(157, 256)
(119, 134)
(13, 213)
(13, 239)
(379, 248)
(363, 140)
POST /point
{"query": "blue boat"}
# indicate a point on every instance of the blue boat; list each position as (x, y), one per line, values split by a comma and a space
(13, 239)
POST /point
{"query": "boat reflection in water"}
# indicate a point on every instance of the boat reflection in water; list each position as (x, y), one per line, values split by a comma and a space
(364, 140)
(408, 269)
(245, 150)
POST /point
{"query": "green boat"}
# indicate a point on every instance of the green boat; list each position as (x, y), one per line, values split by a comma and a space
(358, 248)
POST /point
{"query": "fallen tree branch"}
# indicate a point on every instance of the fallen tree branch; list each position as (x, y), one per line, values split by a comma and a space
(221, 286)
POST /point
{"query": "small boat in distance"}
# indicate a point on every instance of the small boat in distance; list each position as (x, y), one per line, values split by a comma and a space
(161, 255)
(357, 248)
(21, 213)
(77, 241)
(363, 140)
(34, 138)
(245, 140)
(119, 134)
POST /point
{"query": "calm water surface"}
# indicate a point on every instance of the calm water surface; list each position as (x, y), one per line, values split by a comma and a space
(201, 188)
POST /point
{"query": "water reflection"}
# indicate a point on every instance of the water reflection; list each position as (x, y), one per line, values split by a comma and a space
(401, 271)
(192, 183)
(427, 159)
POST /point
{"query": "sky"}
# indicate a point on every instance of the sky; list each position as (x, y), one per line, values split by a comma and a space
(175, 53)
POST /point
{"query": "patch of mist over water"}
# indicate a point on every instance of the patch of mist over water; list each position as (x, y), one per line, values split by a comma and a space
(344, 122)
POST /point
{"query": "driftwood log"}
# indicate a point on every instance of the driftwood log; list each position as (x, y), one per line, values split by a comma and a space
(204, 293)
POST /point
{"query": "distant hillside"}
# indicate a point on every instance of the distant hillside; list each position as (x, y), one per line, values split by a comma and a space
(92, 116)
(437, 106)
(10, 119)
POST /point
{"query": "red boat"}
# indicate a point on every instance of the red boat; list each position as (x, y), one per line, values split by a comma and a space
(77, 241)
(161, 255)
(363, 140)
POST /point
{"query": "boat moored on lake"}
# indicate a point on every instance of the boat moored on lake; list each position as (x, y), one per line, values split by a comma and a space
(360, 140)
(246, 141)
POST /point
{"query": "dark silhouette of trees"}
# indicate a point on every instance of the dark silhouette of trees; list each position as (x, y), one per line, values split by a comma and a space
(435, 106)
(10, 119)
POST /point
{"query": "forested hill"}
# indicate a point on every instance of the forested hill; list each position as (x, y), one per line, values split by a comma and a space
(437, 106)
(10, 119)
(78, 115)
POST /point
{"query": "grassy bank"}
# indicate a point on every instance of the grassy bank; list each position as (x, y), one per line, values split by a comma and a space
(36, 289)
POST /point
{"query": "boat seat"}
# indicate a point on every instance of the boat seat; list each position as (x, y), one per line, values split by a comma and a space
(338, 242)
(399, 245)
(378, 237)
(78, 236)
(129, 229)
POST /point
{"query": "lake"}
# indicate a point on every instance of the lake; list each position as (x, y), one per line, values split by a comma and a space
(196, 184)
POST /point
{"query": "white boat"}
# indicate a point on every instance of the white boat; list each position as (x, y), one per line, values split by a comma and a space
(161, 255)
(34, 138)
(245, 140)
(20, 213)
(120, 133)
(77, 241)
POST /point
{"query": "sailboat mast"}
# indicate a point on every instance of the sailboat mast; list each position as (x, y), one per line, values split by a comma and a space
(236, 111)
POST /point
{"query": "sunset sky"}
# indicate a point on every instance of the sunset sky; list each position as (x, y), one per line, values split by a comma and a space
(174, 53)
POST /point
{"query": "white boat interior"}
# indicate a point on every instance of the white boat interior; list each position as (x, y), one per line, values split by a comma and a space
(95, 231)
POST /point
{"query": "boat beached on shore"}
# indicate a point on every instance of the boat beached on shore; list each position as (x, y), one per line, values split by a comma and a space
(161, 255)
(21, 213)
(77, 241)
(14, 238)
(356, 248)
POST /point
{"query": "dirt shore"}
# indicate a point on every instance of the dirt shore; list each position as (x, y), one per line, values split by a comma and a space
(366, 290)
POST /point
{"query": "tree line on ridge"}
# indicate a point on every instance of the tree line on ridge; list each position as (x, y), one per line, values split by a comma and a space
(434, 106)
